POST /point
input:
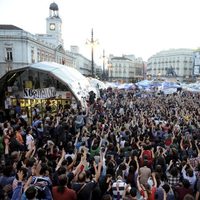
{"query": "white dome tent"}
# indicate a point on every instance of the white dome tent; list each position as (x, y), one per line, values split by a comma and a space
(77, 83)
(49, 80)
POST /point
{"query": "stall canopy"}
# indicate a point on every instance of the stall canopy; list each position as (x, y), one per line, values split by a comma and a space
(72, 78)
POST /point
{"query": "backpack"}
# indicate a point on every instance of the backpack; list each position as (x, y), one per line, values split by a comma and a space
(42, 187)
(79, 191)
(40, 192)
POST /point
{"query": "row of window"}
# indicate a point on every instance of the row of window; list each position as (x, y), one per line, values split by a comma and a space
(127, 67)
(177, 68)
(190, 61)
(173, 58)
(41, 56)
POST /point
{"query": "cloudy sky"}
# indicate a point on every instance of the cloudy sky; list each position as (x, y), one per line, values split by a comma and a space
(139, 27)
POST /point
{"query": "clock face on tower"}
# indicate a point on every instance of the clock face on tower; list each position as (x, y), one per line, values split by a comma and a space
(52, 26)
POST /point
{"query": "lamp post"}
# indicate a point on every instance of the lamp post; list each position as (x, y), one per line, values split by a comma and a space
(104, 59)
(143, 70)
(92, 43)
(103, 75)
(110, 71)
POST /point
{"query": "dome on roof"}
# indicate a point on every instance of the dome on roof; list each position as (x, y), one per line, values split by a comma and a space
(53, 6)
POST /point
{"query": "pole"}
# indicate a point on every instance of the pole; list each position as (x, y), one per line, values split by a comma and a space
(92, 53)
(143, 70)
(92, 42)
(103, 75)
(193, 77)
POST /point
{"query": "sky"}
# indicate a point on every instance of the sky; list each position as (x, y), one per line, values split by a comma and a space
(139, 27)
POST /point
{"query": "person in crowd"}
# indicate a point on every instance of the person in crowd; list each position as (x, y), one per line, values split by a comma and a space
(24, 115)
(183, 189)
(62, 192)
(149, 150)
(29, 137)
(118, 188)
(144, 173)
(84, 187)
(173, 174)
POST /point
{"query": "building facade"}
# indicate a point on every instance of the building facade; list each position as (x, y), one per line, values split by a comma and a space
(196, 56)
(19, 48)
(171, 63)
(125, 68)
(83, 64)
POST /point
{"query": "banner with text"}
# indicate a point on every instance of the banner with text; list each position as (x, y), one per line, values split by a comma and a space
(43, 93)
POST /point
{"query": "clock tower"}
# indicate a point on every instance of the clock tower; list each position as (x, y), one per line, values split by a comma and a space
(54, 24)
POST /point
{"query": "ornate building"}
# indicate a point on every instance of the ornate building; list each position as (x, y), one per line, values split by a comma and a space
(126, 68)
(19, 48)
(173, 62)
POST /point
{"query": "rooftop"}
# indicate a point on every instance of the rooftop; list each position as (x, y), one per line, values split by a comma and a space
(9, 27)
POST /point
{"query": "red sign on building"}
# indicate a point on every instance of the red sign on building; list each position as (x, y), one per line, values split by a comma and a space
(68, 95)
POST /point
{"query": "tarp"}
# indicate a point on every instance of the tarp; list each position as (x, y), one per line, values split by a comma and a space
(112, 84)
(170, 85)
(144, 83)
(126, 86)
(192, 87)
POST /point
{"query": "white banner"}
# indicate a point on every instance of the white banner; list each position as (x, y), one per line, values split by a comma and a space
(43, 93)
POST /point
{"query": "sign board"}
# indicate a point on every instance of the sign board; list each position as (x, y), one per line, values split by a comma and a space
(68, 95)
(43, 93)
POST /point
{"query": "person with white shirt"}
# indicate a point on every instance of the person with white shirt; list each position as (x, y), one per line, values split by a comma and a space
(118, 188)
(29, 138)
(24, 116)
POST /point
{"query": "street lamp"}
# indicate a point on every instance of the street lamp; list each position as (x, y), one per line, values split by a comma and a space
(110, 71)
(92, 43)
(103, 75)
(143, 70)
(104, 59)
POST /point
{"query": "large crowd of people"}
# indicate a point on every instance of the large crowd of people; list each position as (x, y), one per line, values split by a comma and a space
(124, 145)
